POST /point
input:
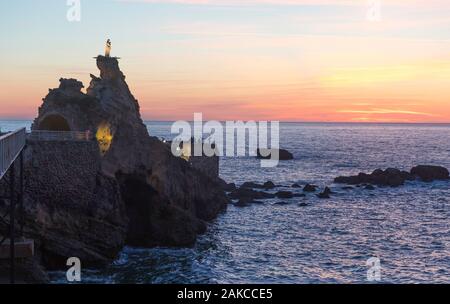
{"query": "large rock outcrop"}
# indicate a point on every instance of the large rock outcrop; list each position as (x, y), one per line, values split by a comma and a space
(88, 199)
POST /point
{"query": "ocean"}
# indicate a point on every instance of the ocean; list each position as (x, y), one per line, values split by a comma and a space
(328, 241)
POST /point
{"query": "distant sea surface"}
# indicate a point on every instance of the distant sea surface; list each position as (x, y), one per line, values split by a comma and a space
(329, 241)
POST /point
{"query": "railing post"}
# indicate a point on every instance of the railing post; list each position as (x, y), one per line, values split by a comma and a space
(22, 211)
(12, 207)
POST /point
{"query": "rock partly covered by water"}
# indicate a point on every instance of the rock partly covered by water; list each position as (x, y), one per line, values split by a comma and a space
(247, 193)
(309, 188)
(267, 185)
(268, 154)
(395, 177)
(430, 173)
(325, 193)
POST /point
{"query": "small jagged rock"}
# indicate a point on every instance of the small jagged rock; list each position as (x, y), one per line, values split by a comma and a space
(325, 194)
(284, 194)
(309, 188)
(369, 187)
(250, 194)
(252, 185)
(269, 185)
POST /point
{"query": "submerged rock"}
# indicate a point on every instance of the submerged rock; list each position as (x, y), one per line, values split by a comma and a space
(247, 193)
(288, 194)
(281, 203)
(309, 188)
(284, 194)
(241, 204)
(369, 187)
(252, 185)
(269, 185)
(325, 194)
(246, 202)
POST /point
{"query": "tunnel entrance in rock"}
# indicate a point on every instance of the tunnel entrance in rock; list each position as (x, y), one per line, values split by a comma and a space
(54, 123)
(139, 202)
(153, 221)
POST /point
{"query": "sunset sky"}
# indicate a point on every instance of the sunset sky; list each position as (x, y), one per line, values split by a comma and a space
(289, 60)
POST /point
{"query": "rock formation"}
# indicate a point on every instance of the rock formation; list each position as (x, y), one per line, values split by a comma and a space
(394, 177)
(430, 173)
(90, 198)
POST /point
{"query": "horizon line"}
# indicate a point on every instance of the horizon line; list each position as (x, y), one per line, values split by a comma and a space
(281, 121)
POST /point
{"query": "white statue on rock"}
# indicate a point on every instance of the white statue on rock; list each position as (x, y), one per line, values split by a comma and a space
(108, 48)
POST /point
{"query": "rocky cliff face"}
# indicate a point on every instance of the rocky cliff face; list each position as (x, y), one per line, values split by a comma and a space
(72, 209)
(89, 199)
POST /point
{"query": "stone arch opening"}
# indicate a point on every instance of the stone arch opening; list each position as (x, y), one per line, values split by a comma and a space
(54, 122)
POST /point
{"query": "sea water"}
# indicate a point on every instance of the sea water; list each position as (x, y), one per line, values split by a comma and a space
(328, 241)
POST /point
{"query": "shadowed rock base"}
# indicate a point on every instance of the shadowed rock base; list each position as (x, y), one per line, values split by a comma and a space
(152, 220)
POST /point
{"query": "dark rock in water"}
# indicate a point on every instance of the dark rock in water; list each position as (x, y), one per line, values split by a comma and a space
(350, 180)
(394, 177)
(407, 176)
(267, 154)
(303, 205)
(252, 185)
(281, 203)
(310, 188)
(245, 202)
(296, 186)
(250, 194)
(284, 194)
(348, 188)
(242, 204)
(227, 187)
(369, 187)
(430, 173)
(325, 194)
(269, 185)
(389, 177)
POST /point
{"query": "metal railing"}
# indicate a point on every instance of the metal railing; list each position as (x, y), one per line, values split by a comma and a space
(11, 145)
(11, 149)
(45, 135)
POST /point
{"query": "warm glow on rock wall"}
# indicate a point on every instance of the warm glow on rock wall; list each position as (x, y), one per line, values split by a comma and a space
(104, 137)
